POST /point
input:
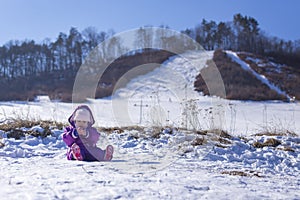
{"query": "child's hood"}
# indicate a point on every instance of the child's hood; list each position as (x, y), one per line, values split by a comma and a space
(71, 118)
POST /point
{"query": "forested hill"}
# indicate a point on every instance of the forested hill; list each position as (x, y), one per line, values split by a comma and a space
(28, 68)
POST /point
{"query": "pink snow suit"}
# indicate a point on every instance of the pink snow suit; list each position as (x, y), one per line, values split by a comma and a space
(87, 144)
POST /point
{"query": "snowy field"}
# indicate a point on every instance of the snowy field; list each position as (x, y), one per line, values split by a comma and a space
(170, 166)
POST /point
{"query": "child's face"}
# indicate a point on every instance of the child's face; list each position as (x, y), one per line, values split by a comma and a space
(82, 124)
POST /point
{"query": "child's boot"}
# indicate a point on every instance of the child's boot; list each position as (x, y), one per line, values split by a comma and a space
(76, 152)
(109, 153)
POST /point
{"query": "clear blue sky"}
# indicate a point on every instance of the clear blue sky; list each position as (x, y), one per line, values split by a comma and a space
(41, 19)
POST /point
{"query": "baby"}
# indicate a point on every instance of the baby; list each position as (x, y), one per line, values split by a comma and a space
(81, 137)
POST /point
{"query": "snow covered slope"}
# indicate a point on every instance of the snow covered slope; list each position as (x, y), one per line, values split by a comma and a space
(260, 77)
(173, 80)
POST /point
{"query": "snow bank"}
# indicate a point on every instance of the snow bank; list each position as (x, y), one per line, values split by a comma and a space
(242, 155)
(31, 146)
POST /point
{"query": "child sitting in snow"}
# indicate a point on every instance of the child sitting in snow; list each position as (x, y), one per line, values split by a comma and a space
(81, 137)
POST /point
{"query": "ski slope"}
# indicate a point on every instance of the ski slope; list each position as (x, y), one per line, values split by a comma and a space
(173, 80)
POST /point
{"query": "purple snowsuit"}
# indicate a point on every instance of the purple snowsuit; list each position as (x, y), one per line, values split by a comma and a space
(88, 148)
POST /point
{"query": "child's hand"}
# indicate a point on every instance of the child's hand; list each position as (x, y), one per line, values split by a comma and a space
(81, 131)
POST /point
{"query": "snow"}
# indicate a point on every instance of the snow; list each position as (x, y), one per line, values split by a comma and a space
(262, 63)
(42, 98)
(37, 168)
(171, 79)
(164, 167)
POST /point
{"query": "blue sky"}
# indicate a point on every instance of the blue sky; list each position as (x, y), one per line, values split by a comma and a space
(40, 19)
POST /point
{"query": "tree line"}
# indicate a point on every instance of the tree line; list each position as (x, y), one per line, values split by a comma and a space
(23, 62)
(244, 34)
(27, 58)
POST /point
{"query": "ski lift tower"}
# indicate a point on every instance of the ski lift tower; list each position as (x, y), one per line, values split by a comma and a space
(141, 105)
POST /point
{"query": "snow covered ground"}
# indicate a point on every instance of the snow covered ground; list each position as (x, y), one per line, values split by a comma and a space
(170, 166)
(35, 168)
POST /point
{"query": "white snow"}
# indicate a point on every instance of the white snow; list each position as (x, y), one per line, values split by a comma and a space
(261, 63)
(173, 80)
(167, 167)
(42, 98)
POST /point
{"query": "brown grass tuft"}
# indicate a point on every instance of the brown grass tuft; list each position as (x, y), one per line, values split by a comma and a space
(287, 148)
(242, 173)
(268, 133)
(198, 141)
(221, 146)
(271, 142)
(202, 132)
(1, 143)
(119, 130)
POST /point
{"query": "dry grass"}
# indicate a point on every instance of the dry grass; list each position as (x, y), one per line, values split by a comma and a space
(18, 123)
(286, 148)
(120, 130)
(198, 141)
(276, 133)
(110, 130)
(1, 143)
(224, 134)
(14, 128)
(243, 173)
(142, 132)
(271, 142)
(221, 146)
(222, 137)
(202, 132)
(224, 141)
(201, 136)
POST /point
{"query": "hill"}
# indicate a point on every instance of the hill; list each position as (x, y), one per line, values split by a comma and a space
(58, 84)
(240, 84)
(263, 79)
